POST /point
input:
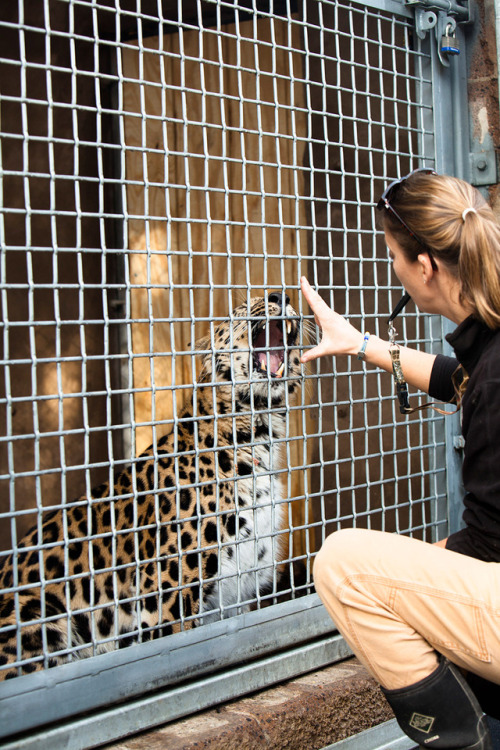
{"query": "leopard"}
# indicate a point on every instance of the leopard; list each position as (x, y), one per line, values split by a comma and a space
(185, 535)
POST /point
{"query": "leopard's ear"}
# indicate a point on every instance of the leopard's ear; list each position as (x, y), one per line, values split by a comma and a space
(201, 345)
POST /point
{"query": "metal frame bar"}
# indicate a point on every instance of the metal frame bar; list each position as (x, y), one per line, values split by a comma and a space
(449, 105)
(386, 736)
(178, 667)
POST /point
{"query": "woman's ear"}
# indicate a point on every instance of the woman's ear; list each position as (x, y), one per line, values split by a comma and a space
(427, 268)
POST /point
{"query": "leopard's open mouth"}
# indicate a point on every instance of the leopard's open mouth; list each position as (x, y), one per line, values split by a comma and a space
(270, 343)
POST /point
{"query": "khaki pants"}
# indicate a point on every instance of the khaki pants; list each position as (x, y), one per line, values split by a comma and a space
(398, 601)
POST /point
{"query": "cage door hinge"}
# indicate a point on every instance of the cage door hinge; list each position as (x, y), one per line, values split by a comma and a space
(442, 16)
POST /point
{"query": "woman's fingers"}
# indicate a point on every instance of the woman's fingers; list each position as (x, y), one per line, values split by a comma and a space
(338, 335)
(316, 303)
(320, 310)
(315, 353)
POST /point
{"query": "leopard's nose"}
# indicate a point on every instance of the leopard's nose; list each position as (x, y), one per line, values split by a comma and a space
(278, 298)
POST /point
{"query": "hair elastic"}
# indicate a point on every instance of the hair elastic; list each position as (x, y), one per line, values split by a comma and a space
(467, 211)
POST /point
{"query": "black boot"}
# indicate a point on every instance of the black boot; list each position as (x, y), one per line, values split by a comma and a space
(441, 711)
(487, 694)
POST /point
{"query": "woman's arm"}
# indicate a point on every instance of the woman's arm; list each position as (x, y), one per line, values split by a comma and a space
(340, 337)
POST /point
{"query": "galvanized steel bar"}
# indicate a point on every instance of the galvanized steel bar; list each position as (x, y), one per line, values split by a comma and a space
(86, 685)
(386, 736)
(163, 706)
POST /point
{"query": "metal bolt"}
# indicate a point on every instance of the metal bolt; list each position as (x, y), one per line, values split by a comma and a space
(481, 164)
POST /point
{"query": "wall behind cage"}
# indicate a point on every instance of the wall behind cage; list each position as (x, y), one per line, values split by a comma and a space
(55, 408)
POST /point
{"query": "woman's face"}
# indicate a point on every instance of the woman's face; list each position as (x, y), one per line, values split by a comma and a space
(410, 274)
(433, 289)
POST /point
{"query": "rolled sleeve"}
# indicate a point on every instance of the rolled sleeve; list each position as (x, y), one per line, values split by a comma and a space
(441, 383)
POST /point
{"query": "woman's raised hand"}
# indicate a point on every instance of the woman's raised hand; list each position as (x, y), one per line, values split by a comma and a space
(339, 336)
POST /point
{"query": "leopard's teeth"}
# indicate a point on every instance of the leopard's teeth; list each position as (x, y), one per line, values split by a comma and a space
(279, 373)
(288, 327)
(263, 365)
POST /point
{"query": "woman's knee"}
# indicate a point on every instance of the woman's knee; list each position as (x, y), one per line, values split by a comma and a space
(351, 553)
(341, 553)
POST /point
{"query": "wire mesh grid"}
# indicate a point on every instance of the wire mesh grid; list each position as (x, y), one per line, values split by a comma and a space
(169, 171)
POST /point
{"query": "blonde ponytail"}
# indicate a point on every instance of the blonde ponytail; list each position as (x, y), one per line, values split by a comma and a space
(479, 267)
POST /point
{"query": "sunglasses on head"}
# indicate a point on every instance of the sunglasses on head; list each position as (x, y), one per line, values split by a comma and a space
(385, 202)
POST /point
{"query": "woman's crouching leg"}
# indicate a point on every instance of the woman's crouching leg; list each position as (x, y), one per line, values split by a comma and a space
(356, 574)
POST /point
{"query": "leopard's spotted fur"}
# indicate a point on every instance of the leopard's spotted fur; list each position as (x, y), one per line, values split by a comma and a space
(158, 550)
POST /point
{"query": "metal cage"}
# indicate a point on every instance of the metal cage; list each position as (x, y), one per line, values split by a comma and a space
(163, 163)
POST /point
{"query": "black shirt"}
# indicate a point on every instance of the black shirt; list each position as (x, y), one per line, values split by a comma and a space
(478, 351)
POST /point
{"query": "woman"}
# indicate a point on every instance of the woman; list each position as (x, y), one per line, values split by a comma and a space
(413, 612)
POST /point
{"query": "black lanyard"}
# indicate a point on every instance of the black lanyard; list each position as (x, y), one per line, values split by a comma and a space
(399, 378)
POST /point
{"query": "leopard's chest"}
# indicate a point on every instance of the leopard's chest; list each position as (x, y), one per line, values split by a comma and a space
(250, 553)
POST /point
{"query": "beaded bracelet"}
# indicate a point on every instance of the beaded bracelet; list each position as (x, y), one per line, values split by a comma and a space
(362, 351)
